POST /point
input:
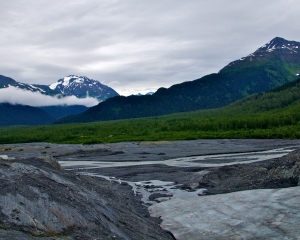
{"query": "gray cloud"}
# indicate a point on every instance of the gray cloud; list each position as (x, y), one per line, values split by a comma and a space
(135, 45)
(18, 96)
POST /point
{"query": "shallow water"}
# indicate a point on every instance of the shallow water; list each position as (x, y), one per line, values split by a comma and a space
(216, 160)
(172, 189)
(146, 188)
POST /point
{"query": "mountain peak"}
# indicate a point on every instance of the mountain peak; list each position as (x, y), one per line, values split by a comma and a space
(69, 80)
(279, 43)
(81, 86)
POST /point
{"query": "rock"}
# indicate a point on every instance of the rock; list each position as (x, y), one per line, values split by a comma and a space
(155, 196)
(52, 161)
(39, 200)
(278, 173)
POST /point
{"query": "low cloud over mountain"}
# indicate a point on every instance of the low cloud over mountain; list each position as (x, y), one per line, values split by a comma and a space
(17, 96)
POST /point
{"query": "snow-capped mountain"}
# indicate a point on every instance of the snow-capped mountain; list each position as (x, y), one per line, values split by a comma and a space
(81, 87)
(277, 46)
(6, 82)
(270, 66)
(72, 85)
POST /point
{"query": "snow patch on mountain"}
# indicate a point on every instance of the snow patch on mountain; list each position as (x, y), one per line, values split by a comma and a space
(82, 87)
(279, 44)
(54, 85)
(275, 45)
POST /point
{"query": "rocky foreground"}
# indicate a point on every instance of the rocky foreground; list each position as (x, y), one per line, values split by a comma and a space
(270, 210)
(258, 200)
(38, 200)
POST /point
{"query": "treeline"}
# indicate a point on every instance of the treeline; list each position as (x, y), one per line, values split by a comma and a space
(276, 98)
(274, 114)
(23, 115)
(284, 123)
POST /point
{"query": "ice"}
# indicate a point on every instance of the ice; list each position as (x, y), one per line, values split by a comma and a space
(253, 214)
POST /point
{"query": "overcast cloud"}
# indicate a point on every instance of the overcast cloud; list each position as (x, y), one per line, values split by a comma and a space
(14, 95)
(133, 45)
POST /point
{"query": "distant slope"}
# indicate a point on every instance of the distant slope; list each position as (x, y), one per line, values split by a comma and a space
(5, 82)
(272, 65)
(276, 98)
(274, 114)
(63, 111)
(23, 115)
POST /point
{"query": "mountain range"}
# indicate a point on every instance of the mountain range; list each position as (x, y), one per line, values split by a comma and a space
(71, 85)
(6, 82)
(270, 66)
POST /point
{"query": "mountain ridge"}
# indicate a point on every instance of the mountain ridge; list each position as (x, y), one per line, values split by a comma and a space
(81, 86)
(72, 85)
(270, 66)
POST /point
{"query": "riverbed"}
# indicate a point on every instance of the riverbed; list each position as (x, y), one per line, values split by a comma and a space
(164, 174)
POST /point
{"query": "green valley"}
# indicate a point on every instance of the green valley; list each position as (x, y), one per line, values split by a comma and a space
(274, 114)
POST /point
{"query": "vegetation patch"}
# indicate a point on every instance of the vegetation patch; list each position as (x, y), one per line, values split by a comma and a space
(274, 114)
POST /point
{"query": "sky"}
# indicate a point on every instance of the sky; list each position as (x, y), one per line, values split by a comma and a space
(136, 46)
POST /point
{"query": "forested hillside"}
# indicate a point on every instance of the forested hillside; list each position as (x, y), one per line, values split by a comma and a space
(63, 111)
(274, 114)
(272, 65)
(23, 115)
